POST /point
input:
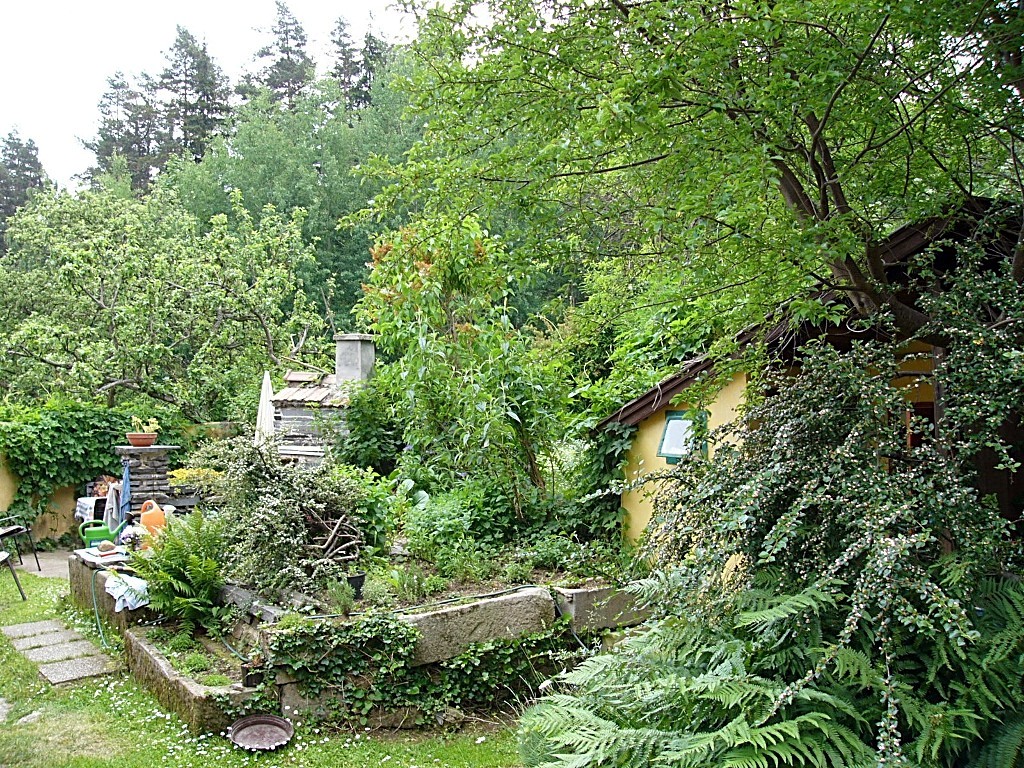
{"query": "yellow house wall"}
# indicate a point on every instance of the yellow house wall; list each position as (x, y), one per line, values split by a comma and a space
(57, 520)
(643, 459)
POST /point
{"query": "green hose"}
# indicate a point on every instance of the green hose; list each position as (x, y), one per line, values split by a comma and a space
(96, 611)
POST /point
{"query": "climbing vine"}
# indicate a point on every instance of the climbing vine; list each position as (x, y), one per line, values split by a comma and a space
(56, 445)
(365, 665)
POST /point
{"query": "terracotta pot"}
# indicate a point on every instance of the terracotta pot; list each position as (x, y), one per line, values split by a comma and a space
(141, 439)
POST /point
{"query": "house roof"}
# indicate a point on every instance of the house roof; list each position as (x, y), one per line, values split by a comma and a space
(894, 250)
(310, 388)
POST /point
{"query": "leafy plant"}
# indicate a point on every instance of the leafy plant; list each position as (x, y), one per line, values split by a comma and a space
(56, 445)
(826, 594)
(183, 572)
(275, 515)
(195, 662)
(340, 595)
(377, 591)
(149, 426)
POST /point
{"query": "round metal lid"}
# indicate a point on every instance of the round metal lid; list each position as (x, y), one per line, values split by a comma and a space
(261, 732)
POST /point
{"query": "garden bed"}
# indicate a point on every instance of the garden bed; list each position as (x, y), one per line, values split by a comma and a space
(467, 652)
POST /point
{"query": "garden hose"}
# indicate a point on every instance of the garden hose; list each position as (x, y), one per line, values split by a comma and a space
(228, 646)
(96, 611)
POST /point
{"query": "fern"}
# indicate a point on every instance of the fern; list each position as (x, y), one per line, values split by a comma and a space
(183, 572)
(1004, 748)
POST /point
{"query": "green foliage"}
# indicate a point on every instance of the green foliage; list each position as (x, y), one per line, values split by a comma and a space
(377, 591)
(117, 299)
(215, 680)
(183, 572)
(469, 394)
(195, 662)
(824, 590)
(273, 511)
(306, 157)
(56, 445)
(600, 477)
(372, 437)
(340, 595)
(367, 664)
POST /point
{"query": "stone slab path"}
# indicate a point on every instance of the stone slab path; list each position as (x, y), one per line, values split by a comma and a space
(63, 654)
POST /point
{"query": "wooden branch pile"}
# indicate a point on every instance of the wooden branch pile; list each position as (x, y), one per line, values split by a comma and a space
(333, 536)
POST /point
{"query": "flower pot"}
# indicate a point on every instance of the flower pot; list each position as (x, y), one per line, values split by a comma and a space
(141, 439)
(355, 580)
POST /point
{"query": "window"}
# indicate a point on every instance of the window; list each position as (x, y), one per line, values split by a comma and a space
(684, 433)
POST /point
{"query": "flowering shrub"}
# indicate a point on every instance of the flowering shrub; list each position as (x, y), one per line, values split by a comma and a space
(831, 590)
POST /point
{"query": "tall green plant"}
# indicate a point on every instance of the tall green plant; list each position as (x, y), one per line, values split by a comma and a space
(828, 592)
(473, 398)
(184, 572)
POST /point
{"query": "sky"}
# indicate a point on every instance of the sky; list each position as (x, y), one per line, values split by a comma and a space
(56, 55)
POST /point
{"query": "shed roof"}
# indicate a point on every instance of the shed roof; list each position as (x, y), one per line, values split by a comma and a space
(309, 388)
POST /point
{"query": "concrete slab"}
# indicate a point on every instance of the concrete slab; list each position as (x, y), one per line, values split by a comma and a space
(447, 632)
(52, 565)
(60, 651)
(594, 608)
(77, 669)
(47, 638)
(33, 628)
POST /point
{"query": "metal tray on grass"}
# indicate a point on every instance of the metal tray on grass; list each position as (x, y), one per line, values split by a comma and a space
(261, 732)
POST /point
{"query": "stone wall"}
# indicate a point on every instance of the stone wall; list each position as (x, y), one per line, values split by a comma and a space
(148, 473)
(202, 707)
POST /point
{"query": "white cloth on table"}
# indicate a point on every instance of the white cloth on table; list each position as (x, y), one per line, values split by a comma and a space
(129, 592)
(85, 508)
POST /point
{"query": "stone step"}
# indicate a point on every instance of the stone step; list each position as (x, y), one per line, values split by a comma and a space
(77, 669)
(34, 628)
(60, 651)
(47, 638)
(62, 654)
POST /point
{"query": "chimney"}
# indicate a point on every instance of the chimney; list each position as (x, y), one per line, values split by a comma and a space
(353, 357)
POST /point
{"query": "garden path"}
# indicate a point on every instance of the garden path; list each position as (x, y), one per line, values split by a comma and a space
(63, 655)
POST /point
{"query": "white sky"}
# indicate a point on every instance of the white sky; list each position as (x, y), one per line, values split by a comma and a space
(56, 55)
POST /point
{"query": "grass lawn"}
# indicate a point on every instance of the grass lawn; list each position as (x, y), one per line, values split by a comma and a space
(112, 721)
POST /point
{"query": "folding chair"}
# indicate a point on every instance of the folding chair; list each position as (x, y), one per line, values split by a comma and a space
(11, 529)
(5, 557)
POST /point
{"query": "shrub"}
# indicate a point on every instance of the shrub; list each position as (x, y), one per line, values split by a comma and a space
(279, 517)
(341, 596)
(827, 595)
(195, 662)
(183, 571)
(377, 592)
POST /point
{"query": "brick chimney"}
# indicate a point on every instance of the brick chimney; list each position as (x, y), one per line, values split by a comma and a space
(353, 357)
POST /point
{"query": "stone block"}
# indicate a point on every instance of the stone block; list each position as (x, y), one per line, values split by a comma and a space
(33, 628)
(595, 608)
(47, 638)
(61, 651)
(77, 669)
(450, 631)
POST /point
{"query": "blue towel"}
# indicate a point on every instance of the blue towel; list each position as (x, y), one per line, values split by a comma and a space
(125, 505)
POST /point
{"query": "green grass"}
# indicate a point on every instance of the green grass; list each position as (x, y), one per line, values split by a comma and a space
(112, 722)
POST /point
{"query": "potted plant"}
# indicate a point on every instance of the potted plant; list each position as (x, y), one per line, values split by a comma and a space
(143, 434)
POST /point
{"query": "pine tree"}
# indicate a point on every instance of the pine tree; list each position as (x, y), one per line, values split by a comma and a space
(196, 90)
(20, 173)
(131, 127)
(346, 61)
(374, 56)
(290, 68)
